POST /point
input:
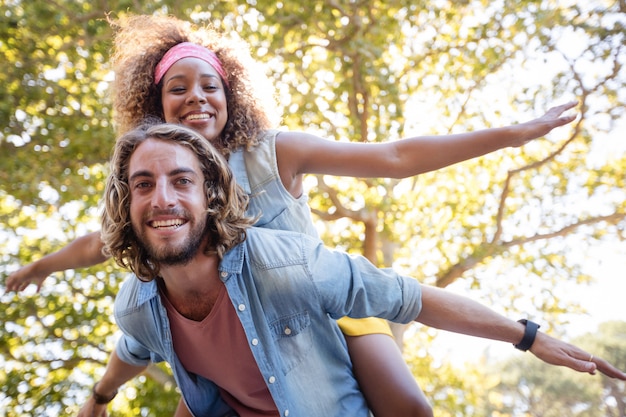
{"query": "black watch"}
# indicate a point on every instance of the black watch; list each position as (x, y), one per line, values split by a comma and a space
(529, 335)
(101, 399)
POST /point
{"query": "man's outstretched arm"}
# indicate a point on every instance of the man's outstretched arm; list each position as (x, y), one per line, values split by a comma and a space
(447, 311)
(116, 374)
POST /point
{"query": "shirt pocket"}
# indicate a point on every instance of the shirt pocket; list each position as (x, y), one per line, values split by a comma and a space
(293, 336)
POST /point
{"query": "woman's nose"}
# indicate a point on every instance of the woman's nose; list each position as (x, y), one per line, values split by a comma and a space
(196, 95)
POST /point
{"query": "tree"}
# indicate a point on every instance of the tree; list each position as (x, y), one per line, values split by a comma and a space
(361, 70)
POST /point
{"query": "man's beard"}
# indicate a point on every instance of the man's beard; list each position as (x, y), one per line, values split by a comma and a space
(170, 255)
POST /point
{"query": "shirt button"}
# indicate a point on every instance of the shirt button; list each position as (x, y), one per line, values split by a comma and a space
(224, 274)
(255, 342)
(272, 380)
(287, 331)
(241, 307)
(286, 413)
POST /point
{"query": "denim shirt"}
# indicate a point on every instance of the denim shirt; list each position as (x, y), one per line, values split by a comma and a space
(288, 290)
(256, 171)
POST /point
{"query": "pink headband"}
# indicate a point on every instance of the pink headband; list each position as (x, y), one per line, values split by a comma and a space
(188, 50)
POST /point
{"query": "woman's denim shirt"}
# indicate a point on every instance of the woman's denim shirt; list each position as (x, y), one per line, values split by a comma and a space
(256, 171)
(288, 290)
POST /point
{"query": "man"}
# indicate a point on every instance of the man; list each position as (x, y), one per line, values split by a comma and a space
(246, 316)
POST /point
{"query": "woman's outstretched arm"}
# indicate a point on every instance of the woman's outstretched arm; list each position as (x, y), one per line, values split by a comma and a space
(80, 253)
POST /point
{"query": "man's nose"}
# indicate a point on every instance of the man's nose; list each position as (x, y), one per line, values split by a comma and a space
(163, 195)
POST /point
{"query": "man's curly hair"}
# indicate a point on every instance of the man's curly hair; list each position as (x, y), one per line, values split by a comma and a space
(140, 41)
(226, 201)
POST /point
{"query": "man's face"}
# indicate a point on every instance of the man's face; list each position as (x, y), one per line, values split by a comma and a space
(167, 201)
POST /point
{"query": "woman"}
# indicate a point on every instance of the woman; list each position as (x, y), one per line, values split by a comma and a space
(194, 76)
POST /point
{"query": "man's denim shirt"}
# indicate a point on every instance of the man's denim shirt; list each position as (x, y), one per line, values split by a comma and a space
(288, 290)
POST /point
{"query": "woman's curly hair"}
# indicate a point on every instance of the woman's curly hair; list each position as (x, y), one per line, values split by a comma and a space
(140, 41)
(226, 201)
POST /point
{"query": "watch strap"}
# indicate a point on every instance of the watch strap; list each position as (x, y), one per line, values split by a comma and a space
(529, 335)
(101, 399)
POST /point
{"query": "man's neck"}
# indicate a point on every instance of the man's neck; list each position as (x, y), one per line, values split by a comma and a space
(193, 288)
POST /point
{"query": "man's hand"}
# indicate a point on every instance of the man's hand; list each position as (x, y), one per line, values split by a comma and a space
(557, 352)
(91, 409)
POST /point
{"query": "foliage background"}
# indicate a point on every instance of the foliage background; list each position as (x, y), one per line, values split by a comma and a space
(518, 224)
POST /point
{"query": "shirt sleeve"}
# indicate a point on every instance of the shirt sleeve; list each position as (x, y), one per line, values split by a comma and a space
(350, 285)
(132, 352)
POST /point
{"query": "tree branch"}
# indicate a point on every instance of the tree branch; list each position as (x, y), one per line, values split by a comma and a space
(535, 165)
(487, 250)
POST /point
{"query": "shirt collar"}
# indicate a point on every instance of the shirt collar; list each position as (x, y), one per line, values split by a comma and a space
(232, 262)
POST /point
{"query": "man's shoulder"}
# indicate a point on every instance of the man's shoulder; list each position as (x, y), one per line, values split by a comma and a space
(269, 246)
(274, 237)
(133, 293)
(266, 231)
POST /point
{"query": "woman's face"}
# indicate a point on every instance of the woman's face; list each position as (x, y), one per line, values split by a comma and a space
(193, 95)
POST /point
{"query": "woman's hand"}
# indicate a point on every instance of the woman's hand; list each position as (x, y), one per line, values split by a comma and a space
(541, 126)
(23, 277)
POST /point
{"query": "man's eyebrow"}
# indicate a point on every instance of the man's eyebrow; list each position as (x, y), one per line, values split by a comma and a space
(141, 173)
(182, 170)
(149, 174)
